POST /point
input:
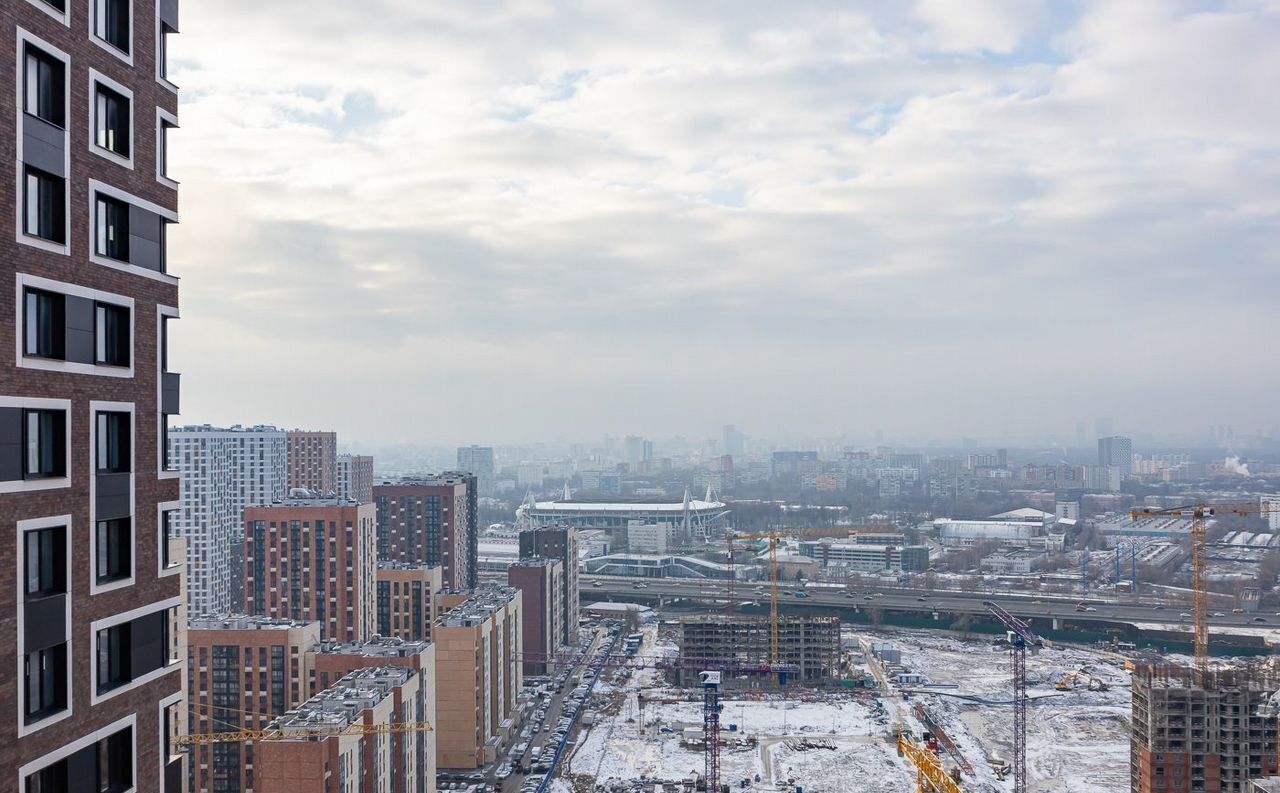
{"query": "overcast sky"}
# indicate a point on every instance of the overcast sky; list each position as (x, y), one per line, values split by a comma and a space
(492, 221)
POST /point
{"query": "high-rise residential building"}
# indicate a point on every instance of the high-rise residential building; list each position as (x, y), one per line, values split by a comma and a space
(734, 442)
(224, 470)
(355, 478)
(92, 601)
(478, 673)
(431, 521)
(634, 449)
(1117, 451)
(558, 542)
(313, 559)
(331, 757)
(407, 600)
(541, 585)
(313, 461)
(1271, 507)
(1200, 732)
(242, 672)
(478, 460)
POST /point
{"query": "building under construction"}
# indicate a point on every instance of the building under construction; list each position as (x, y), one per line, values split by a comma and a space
(808, 647)
(1207, 732)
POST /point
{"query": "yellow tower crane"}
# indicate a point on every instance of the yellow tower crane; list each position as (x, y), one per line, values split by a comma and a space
(931, 777)
(1200, 514)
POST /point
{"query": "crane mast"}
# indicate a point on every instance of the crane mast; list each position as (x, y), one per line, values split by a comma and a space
(1020, 638)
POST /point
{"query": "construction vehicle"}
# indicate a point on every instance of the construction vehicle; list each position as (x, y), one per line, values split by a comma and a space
(1199, 515)
(931, 777)
(1020, 637)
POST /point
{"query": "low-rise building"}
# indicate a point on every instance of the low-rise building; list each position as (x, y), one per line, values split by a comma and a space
(1013, 562)
(640, 565)
(863, 557)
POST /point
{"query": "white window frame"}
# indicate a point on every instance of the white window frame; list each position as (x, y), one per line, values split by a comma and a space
(127, 57)
(24, 38)
(159, 41)
(177, 566)
(24, 526)
(96, 407)
(31, 485)
(84, 742)
(95, 78)
(164, 119)
(119, 619)
(96, 187)
(161, 472)
(62, 16)
(25, 281)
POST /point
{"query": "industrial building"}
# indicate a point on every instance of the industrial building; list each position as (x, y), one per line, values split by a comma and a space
(1020, 527)
(865, 557)
(328, 756)
(808, 645)
(1208, 732)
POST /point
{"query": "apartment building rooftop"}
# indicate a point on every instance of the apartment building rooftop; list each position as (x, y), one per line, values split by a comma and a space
(481, 604)
(339, 706)
(393, 565)
(244, 622)
(232, 428)
(309, 501)
(376, 647)
(536, 561)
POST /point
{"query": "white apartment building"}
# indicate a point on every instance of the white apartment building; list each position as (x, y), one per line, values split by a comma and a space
(1273, 518)
(223, 471)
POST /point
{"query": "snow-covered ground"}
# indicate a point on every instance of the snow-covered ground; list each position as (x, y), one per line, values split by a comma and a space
(1077, 740)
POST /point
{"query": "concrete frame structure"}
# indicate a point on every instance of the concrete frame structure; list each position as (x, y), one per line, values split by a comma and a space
(479, 648)
(86, 392)
(224, 470)
(809, 644)
(541, 585)
(244, 673)
(408, 602)
(313, 559)
(1200, 733)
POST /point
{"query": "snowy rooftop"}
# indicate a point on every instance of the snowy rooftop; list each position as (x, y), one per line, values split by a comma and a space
(695, 505)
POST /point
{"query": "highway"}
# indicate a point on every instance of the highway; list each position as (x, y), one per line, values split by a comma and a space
(948, 602)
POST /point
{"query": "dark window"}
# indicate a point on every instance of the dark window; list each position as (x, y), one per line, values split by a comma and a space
(111, 334)
(111, 116)
(45, 205)
(114, 436)
(166, 534)
(114, 549)
(111, 22)
(50, 779)
(45, 91)
(44, 438)
(164, 343)
(113, 228)
(46, 562)
(45, 682)
(115, 762)
(114, 656)
(45, 324)
(162, 149)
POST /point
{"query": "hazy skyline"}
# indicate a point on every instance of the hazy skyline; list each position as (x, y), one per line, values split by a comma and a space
(502, 221)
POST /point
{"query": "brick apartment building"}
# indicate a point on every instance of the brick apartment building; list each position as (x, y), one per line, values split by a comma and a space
(407, 602)
(85, 299)
(313, 461)
(541, 585)
(313, 559)
(355, 477)
(430, 521)
(558, 542)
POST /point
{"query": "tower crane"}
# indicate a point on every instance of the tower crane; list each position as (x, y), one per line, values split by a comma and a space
(711, 729)
(1200, 514)
(1021, 637)
(931, 777)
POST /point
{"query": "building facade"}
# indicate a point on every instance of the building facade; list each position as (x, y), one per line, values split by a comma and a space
(865, 557)
(244, 672)
(430, 521)
(355, 477)
(808, 646)
(340, 749)
(558, 542)
(478, 460)
(541, 585)
(313, 559)
(407, 600)
(313, 461)
(1117, 451)
(478, 673)
(224, 470)
(86, 491)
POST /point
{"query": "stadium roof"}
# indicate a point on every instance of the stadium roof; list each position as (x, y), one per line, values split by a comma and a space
(623, 506)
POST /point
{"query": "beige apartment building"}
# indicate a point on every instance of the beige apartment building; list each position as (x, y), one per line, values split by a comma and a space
(408, 600)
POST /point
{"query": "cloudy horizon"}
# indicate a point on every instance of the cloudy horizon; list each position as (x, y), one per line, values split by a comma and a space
(503, 221)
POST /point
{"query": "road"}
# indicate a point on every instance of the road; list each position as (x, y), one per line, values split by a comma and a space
(913, 600)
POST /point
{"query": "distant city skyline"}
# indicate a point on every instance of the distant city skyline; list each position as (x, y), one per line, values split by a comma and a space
(802, 219)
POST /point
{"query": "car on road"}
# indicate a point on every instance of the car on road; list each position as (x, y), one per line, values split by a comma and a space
(1157, 607)
(801, 594)
(1090, 608)
(923, 600)
(597, 584)
(1219, 614)
(1259, 619)
(1184, 615)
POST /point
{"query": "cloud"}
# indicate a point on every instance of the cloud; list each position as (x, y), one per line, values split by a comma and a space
(662, 216)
